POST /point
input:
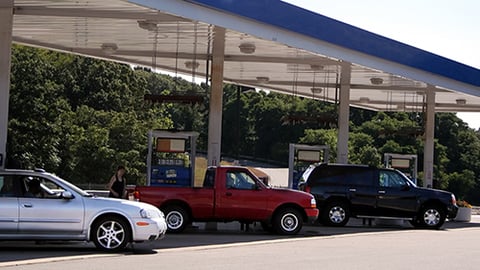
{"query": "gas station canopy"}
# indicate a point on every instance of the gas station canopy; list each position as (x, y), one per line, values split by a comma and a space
(269, 45)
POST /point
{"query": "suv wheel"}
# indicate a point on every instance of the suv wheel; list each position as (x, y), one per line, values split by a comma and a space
(335, 214)
(431, 216)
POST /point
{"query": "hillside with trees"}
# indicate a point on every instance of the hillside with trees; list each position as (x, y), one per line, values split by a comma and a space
(80, 117)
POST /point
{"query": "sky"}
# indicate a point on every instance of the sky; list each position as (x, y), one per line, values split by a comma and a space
(444, 27)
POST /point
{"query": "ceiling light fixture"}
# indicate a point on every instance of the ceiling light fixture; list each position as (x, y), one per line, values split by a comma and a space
(263, 79)
(364, 100)
(247, 48)
(109, 48)
(148, 25)
(316, 90)
(376, 80)
(316, 67)
(461, 101)
(192, 64)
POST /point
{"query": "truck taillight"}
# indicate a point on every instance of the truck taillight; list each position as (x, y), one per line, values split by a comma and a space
(136, 196)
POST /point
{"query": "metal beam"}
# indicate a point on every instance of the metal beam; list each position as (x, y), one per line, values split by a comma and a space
(344, 114)
(6, 24)
(428, 156)
(216, 99)
(141, 14)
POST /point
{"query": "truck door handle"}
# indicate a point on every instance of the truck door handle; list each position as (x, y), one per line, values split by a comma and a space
(27, 205)
(381, 192)
(352, 189)
(228, 194)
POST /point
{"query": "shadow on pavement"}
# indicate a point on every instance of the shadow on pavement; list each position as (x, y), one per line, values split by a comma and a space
(198, 237)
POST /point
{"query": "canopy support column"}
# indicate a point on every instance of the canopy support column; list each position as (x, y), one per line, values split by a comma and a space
(216, 98)
(6, 24)
(344, 114)
(429, 148)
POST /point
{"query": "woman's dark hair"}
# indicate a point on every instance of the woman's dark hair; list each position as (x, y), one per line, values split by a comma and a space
(120, 167)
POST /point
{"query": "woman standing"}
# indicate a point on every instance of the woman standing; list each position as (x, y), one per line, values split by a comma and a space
(117, 184)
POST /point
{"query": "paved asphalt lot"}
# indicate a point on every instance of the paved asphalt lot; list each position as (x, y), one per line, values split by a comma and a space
(31, 255)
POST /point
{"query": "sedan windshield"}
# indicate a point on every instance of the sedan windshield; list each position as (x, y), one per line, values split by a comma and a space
(71, 186)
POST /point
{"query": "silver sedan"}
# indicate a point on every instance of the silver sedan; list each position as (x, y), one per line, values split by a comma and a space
(36, 205)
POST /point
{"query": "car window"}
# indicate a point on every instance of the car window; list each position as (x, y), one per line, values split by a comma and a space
(359, 176)
(209, 180)
(391, 179)
(7, 188)
(322, 175)
(239, 180)
(39, 187)
(342, 175)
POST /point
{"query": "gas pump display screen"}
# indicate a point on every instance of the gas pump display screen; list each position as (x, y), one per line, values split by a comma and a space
(170, 145)
(400, 163)
(308, 155)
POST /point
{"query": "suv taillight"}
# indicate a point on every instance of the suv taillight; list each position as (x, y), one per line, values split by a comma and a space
(306, 188)
(454, 200)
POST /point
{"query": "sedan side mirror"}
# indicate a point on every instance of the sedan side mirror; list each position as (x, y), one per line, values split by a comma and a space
(67, 195)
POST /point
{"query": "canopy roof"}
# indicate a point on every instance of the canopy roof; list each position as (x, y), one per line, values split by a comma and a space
(269, 44)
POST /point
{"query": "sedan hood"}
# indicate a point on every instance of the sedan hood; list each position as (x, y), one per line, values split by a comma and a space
(123, 205)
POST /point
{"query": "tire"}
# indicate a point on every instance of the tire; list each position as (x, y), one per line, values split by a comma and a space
(111, 234)
(431, 217)
(176, 218)
(335, 214)
(287, 221)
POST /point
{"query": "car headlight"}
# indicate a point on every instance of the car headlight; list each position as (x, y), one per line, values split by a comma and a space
(146, 213)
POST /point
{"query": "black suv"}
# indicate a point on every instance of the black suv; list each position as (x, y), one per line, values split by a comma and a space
(344, 190)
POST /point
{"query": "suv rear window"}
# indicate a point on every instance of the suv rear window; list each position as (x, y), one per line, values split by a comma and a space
(341, 175)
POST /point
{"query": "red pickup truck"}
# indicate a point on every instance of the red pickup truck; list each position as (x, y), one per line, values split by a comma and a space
(232, 193)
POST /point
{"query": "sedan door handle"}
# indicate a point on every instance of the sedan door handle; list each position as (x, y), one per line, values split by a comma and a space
(27, 205)
(228, 194)
(352, 189)
(381, 192)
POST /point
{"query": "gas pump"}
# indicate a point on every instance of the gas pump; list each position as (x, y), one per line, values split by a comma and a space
(171, 158)
(301, 156)
(404, 163)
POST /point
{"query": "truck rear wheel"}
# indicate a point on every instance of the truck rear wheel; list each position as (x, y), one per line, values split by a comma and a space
(288, 221)
(176, 218)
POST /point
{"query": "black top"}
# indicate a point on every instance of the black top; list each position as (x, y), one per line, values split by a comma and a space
(117, 186)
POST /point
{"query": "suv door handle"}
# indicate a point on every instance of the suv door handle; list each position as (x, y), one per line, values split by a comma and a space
(381, 192)
(352, 189)
(228, 194)
(27, 205)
